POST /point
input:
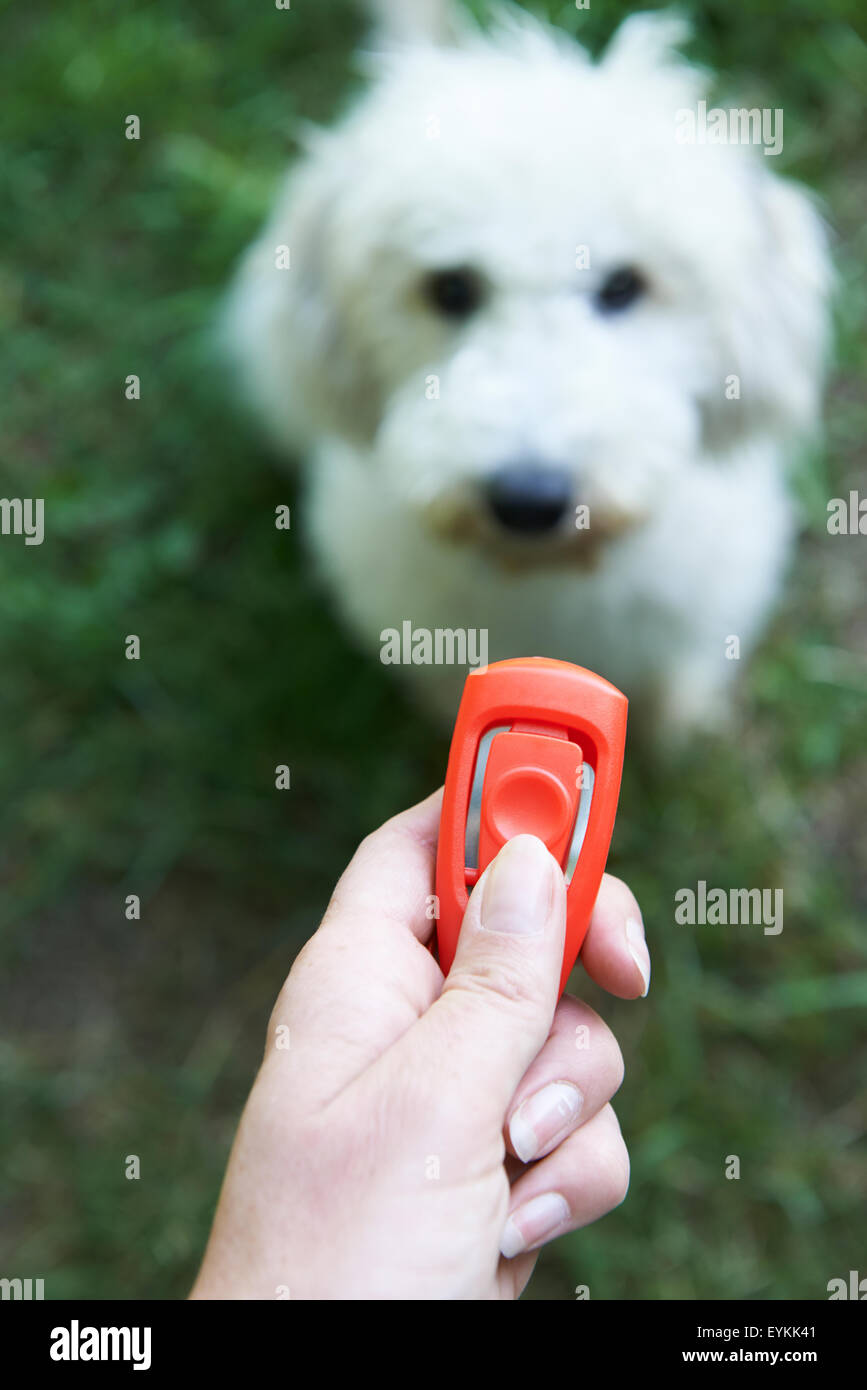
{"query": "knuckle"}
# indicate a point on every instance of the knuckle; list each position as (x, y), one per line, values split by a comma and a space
(507, 980)
(616, 1064)
(617, 1166)
(620, 1179)
(604, 1050)
(621, 890)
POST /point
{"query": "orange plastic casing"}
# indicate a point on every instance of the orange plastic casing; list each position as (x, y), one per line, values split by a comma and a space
(556, 718)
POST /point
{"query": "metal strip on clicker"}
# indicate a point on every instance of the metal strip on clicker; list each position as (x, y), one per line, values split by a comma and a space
(474, 813)
(588, 779)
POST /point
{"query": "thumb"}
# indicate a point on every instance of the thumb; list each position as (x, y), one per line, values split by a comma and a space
(497, 1005)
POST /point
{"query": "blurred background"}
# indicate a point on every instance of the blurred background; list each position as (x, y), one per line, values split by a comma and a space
(156, 777)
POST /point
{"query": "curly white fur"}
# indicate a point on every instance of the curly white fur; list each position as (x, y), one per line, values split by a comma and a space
(506, 152)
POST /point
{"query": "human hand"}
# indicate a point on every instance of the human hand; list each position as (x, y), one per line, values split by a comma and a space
(410, 1137)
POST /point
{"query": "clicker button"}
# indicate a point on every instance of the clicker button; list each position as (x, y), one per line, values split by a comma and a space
(531, 787)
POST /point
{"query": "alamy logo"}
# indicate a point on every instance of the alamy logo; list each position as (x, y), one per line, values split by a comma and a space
(26, 1289)
(440, 646)
(76, 1343)
(847, 517)
(738, 126)
(23, 516)
(856, 1288)
(714, 907)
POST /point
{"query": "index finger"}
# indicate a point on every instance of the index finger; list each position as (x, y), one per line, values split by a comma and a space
(364, 977)
(391, 874)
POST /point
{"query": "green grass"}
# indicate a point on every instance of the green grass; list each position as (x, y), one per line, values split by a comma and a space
(156, 777)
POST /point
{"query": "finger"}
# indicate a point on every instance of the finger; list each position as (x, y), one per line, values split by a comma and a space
(514, 1275)
(615, 952)
(577, 1071)
(585, 1177)
(498, 1002)
(391, 875)
(365, 976)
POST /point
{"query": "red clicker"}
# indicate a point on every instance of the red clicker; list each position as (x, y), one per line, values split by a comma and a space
(537, 749)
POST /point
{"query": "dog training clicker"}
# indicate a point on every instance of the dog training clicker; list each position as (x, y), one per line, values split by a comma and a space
(537, 749)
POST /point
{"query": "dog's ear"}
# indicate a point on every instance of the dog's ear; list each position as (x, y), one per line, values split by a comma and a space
(771, 301)
(409, 21)
(645, 51)
(643, 57)
(648, 40)
(775, 315)
(287, 316)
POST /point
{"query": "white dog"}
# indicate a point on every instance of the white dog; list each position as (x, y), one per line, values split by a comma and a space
(548, 360)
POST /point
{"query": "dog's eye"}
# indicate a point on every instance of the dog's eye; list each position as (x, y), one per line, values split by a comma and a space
(620, 289)
(454, 293)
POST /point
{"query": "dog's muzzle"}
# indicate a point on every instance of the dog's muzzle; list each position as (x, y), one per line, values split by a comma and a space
(524, 516)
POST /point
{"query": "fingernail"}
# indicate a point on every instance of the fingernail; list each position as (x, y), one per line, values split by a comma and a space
(638, 951)
(536, 1221)
(519, 888)
(544, 1119)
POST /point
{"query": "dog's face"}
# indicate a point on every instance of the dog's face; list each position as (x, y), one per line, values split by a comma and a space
(527, 301)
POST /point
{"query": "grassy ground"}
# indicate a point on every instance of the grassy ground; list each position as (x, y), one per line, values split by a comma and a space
(156, 777)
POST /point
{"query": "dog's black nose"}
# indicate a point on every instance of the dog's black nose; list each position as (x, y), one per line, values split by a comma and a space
(529, 498)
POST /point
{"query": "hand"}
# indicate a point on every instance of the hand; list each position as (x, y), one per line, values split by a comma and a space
(410, 1137)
